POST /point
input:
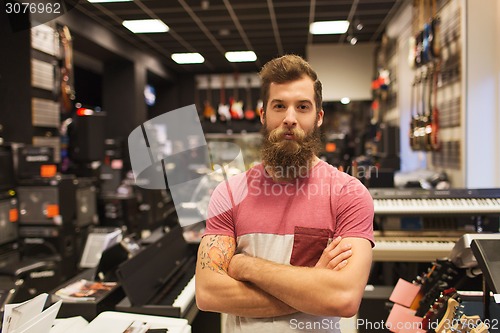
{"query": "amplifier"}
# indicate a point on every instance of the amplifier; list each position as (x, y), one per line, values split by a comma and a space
(155, 206)
(41, 242)
(48, 201)
(34, 161)
(120, 211)
(8, 220)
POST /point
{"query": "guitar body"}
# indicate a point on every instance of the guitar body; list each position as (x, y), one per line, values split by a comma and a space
(224, 112)
(259, 108)
(209, 112)
(249, 112)
(236, 109)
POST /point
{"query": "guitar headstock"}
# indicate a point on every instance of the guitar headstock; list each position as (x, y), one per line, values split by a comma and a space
(442, 312)
(440, 276)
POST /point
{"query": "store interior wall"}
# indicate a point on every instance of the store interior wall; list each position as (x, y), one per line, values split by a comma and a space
(482, 87)
(344, 70)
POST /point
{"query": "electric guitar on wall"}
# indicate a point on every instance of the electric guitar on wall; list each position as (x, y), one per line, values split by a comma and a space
(236, 105)
(249, 112)
(208, 109)
(67, 92)
(223, 109)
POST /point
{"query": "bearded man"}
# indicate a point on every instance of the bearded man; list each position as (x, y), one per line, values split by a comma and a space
(288, 244)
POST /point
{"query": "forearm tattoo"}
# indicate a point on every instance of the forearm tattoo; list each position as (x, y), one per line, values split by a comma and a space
(216, 253)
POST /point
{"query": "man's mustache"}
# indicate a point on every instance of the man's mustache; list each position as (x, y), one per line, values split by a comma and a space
(278, 134)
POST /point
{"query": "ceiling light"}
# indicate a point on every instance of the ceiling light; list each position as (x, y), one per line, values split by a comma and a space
(345, 100)
(97, 1)
(188, 58)
(353, 41)
(241, 56)
(328, 27)
(145, 26)
(359, 26)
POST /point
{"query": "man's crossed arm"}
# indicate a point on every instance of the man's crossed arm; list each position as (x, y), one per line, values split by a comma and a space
(253, 287)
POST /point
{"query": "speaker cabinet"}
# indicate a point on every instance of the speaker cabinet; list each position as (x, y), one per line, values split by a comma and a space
(42, 242)
(86, 138)
(34, 161)
(48, 201)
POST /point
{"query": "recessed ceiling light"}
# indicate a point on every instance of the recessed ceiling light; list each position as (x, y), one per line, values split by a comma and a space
(241, 56)
(97, 1)
(188, 58)
(145, 26)
(345, 100)
(328, 27)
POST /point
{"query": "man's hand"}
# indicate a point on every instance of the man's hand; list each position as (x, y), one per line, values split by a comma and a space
(335, 256)
(237, 266)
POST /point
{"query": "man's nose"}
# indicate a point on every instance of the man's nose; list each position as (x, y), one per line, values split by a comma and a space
(290, 119)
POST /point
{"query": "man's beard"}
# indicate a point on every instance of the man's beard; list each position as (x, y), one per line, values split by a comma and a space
(289, 159)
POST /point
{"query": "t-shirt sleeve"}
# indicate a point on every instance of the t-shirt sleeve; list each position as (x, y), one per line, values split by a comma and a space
(220, 219)
(355, 211)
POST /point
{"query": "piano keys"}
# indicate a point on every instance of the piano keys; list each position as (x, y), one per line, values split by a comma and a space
(436, 202)
(159, 280)
(412, 249)
(417, 225)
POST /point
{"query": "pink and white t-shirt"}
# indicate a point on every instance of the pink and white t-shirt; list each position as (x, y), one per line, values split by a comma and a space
(289, 223)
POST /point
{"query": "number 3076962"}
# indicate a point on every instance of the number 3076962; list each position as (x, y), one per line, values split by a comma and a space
(32, 7)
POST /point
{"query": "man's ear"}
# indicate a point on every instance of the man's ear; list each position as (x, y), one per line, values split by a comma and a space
(320, 117)
(262, 116)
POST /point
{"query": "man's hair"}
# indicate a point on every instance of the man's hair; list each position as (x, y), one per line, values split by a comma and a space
(285, 69)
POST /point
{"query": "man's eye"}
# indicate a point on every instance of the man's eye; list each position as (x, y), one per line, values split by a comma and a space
(303, 107)
(279, 106)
